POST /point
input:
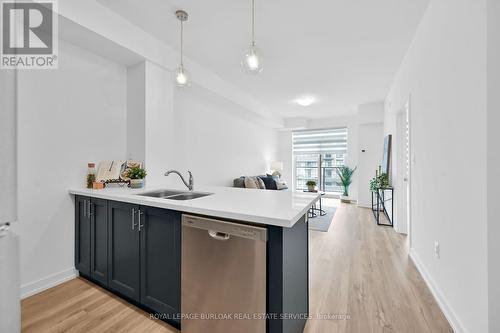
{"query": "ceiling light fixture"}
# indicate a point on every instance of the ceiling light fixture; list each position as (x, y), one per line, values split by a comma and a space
(252, 61)
(305, 101)
(182, 76)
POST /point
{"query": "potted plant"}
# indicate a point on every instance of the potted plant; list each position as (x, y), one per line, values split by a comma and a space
(136, 175)
(345, 175)
(311, 184)
(379, 181)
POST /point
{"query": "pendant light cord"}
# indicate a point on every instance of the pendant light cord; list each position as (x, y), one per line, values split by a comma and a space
(253, 22)
(182, 43)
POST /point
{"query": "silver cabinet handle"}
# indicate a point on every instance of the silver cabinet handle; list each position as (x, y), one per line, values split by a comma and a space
(90, 209)
(84, 208)
(133, 219)
(140, 224)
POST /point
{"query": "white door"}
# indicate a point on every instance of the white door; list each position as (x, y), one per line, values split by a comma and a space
(10, 317)
(403, 170)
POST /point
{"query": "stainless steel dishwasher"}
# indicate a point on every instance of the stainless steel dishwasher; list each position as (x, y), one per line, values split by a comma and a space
(223, 276)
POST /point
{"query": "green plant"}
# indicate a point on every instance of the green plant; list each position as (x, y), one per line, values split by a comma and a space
(90, 180)
(136, 172)
(311, 183)
(379, 181)
(345, 174)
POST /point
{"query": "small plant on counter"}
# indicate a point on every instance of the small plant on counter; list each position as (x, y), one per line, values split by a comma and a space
(311, 184)
(136, 175)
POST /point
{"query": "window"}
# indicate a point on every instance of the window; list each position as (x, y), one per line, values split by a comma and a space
(317, 154)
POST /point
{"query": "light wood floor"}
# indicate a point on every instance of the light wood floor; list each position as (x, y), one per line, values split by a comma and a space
(360, 273)
(363, 270)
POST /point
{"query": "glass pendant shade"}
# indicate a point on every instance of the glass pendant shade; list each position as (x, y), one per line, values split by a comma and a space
(252, 61)
(182, 77)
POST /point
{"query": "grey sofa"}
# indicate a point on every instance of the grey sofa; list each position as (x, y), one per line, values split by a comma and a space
(269, 182)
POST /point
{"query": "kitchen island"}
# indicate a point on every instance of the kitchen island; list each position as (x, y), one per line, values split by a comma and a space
(141, 248)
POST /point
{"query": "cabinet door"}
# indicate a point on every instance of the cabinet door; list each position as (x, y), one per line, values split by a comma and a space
(123, 249)
(161, 261)
(99, 240)
(82, 235)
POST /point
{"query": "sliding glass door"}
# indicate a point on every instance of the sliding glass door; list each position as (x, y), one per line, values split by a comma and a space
(306, 169)
(317, 155)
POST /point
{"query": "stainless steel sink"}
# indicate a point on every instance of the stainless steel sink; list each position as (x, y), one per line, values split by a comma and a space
(175, 195)
(162, 193)
(189, 196)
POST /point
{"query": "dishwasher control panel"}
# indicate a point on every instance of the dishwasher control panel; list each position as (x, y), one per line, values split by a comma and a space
(225, 227)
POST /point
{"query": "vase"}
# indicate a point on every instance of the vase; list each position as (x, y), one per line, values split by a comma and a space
(345, 199)
(310, 188)
(136, 183)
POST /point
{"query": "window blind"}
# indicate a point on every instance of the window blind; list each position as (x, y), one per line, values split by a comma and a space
(331, 141)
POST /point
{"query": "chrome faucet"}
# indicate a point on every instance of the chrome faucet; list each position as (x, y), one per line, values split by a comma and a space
(189, 185)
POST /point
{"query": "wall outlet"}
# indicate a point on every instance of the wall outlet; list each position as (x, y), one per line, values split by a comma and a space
(437, 250)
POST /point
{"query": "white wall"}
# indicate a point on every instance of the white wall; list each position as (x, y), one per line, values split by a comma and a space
(150, 123)
(285, 155)
(493, 120)
(370, 153)
(8, 146)
(136, 112)
(444, 71)
(160, 123)
(213, 143)
(66, 118)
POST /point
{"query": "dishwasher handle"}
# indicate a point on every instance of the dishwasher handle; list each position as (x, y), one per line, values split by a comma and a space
(220, 236)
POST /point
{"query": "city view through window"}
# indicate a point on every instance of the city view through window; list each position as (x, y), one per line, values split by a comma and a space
(317, 155)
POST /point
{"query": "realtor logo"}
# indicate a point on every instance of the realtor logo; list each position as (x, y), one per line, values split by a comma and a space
(28, 34)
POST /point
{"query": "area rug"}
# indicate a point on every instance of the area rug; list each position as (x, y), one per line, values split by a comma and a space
(322, 223)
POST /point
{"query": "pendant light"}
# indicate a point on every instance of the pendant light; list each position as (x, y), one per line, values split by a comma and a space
(252, 61)
(182, 78)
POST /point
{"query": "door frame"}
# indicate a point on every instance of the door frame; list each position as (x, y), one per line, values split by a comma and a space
(404, 111)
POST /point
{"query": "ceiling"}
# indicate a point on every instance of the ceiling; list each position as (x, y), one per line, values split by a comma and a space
(342, 52)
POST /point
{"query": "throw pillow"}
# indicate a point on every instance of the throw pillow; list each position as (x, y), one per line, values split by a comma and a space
(239, 182)
(269, 182)
(250, 183)
(281, 185)
(260, 183)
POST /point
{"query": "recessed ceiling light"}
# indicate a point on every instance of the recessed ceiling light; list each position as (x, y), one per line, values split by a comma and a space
(305, 100)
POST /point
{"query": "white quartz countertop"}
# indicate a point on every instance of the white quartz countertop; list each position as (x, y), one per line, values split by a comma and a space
(278, 208)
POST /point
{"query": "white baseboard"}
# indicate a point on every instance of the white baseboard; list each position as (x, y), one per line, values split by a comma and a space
(50, 281)
(448, 312)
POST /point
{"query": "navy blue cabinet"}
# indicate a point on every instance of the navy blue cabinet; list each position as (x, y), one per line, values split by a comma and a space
(91, 233)
(161, 261)
(99, 240)
(133, 250)
(82, 235)
(123, 249)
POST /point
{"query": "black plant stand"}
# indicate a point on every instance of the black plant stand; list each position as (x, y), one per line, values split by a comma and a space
(379, 200)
